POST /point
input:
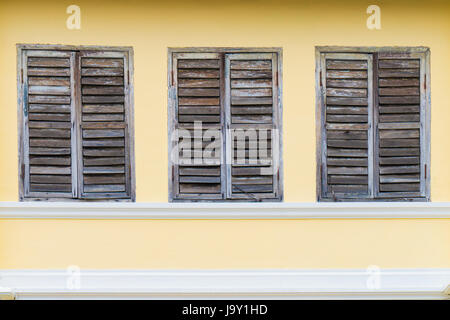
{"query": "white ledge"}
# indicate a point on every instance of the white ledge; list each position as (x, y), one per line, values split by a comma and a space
(120, 210)
(372, 283)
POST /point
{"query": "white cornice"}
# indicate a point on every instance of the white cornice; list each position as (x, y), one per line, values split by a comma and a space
(222, 284)
(108, 210)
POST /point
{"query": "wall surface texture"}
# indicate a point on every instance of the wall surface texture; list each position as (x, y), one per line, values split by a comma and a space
(296, 26)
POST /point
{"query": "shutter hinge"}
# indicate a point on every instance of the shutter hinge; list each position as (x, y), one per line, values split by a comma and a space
(173, 80)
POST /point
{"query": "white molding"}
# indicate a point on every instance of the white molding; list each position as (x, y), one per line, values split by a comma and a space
(108, 210)
(232, 284)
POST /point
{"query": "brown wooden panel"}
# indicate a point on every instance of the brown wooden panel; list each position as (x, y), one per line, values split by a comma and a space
(252, 83)
(102, 90)
(103, 161)
(49, 133)
(49, 90)
(346, 118)
(198, 64)
(51, 179)
(49, 116)
(390, 187)
(347, 64)
(101, 63)
(48, 62)
(198, 73)
(34, 187)
(199, 110)
(49, 151)
(393, 143)
(198, 101)
(103, 99)
(347, 135)
(409, 82)
(56, 143)
(345, 83)
(398, 64)
(53, 160)
(102, 81)
(103, 117)
(400, 91)
(49, 99)
(106, 108)
(399, 160)
(49, 81)
(342, 152)
(49, 108)
(347, 110)
(251, 74)
(261, 92)
(399, 109)
(49, 170)
(56, 72)
(398, 73)
(346, 74)
(346, 101)
(251, 110)
(352, 144)
(399, 118)
(199, 188)
(387, 152)
(389, 134)
(198, 83)
(251, 65)
(99, 179)
(96, 72)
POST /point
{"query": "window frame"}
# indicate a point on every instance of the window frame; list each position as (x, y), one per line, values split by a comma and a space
(76, 116)
(422, 53)
(171, 116)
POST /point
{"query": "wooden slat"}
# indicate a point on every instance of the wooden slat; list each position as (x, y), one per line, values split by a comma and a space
(394, 143)
(199, 110)
(252, 180)
(400, 100)
(400, 91)
(49, 151)
(399, 169)
(51, 170)
(34, 187)
(244, 188)
(56, 143)
(199, 188)
(49, 133)
(388, 187)
(399, 118)
(51, 179)
(103, 161)
(248, 171)
(399, 125)
(398, 64)
(389, 134)
(199, 179)
(103, 117)
(200, 171)
(399, 73)
(346, 74)
(253, 83)
(198, 83)
(49, 99)
(345, 83)
(101, 72)
(404, 178)
(102, 90)
(251, 65)
(347, 135)
(116, 142)
(49, 116)
(342, 152)
(103, 99)
(198, 92)
(251, 110)
(103, 133)
(99, 179)
(105, 108)
(399, 160)
(102, 81)
(53, 160)
(347, 110)
(409, 82)
(347, 179)
(198, 73)
(252, 119)
(101, 63)
(48, 72)
(266, 92)
(251, 101)
(346, 92)
(347, 162)
(346, 126)
(104, 170)
(49, 108)
(49, 81)
(387, 152)
(198, 63)
(347, 170)
(48, 62)
(347, 188)
(104, 188)
(347, 64)
(346, 101)
(198, 101)
(346, 118)
(104, 152)
(49, 90)
(250, 74)
(399, 109)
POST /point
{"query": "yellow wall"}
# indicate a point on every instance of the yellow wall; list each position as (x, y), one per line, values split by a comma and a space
(296, 26)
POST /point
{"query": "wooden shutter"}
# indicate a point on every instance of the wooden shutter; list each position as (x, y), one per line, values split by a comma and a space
(104, 118)
(196, 87)
(252, 111)
(400, 113)
(346, 93)
(49, 167)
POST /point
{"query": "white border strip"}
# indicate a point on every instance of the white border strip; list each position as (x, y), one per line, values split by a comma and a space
(372, 283)
(107, 210)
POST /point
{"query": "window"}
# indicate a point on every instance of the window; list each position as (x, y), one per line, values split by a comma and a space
(75, 123)
(373, 121)
(225, 124)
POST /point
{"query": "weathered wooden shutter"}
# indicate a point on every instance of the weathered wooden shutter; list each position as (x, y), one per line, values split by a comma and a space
(48, 167)
(197, 86)
(252, 125)
(400, 110)
(105, 142)
(346, 88)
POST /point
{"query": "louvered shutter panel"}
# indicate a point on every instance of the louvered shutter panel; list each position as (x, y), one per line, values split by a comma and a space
(197, 169)
(48, 90)
(104, 135)
(346, 84)
(252, 118)
(400, 113)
